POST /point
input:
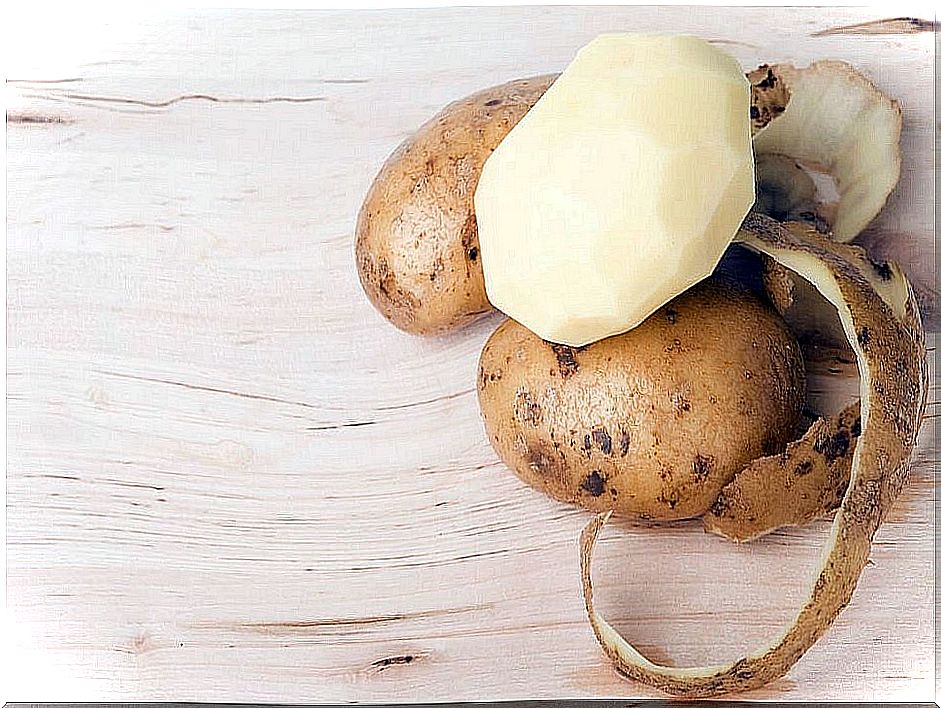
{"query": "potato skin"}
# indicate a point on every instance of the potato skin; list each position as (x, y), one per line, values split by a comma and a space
(653, 422)
(416, 237)
(803, 483)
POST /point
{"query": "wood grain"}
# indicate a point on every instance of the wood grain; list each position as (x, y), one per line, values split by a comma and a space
(230, 480)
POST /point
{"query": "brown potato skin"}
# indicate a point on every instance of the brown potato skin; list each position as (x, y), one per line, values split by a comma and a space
(653, 422)
(797, 486)
(417, 252)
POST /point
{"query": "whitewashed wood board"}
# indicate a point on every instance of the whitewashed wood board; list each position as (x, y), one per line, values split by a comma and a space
(229, 479)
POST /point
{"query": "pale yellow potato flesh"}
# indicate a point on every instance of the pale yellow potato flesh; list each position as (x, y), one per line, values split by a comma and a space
(619, 189)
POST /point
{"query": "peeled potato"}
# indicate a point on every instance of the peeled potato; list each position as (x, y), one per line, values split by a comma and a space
(653, 422)
(417, 252)
(621, 188)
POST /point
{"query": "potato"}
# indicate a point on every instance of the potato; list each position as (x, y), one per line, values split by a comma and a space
(653, 422)
(416, 238)
(620, 189)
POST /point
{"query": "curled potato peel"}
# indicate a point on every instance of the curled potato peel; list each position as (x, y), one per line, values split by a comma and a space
(786, 192)
(884, 329)
(838, 121)
(795, 487)
(769, 97)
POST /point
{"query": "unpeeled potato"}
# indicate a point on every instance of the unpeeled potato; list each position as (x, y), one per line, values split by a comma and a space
(653, 422)
(416, 238)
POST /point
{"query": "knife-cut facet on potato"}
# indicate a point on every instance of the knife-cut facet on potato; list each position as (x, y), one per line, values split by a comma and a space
(886, 334)
(839, 122)
(801, 484)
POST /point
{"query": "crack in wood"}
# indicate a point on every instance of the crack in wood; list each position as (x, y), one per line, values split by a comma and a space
(894, 25)
(25, 118)
(134, 485)
(338, 426)
(427, 469)
(382, 664)
(439, 563)
(45, 81)
(276, 399)
(69, 477)
(322, 623)
(733, 42)
(78, 79)
(131, 225)
(66, 141)
(91, 98)
(427, 401)
(210, 389)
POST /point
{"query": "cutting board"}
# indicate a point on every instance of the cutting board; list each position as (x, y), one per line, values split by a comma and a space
(229, 479)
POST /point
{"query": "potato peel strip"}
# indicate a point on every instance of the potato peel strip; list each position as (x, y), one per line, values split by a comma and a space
(889, 344)
(811, 474)
(838, 119)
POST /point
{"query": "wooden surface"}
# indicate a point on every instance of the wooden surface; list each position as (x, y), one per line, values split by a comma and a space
(230, 479)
